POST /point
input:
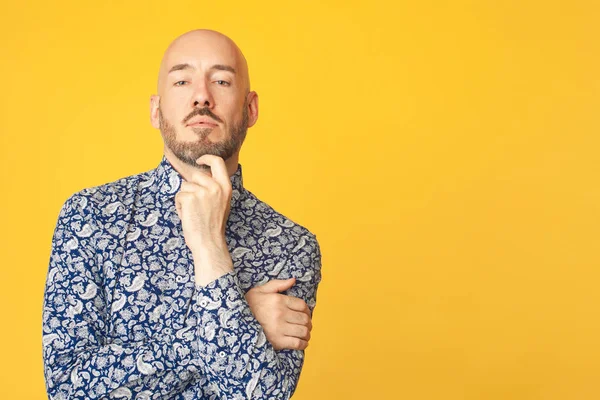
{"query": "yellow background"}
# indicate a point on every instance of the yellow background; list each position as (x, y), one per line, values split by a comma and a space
(445, 154)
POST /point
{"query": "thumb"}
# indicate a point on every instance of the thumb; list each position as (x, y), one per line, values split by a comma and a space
(277, 285)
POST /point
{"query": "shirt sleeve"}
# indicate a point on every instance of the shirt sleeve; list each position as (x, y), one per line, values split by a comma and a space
(80, 359)
(235, 354)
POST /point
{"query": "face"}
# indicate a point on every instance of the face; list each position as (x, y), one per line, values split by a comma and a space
(189, 151)
(203, 106)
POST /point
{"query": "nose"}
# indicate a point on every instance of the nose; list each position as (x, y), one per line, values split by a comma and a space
(202, 96)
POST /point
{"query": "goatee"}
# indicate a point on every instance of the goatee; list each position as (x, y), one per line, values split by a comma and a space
(189, 152)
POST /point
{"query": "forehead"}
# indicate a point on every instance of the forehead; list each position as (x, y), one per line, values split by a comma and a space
(201, 53)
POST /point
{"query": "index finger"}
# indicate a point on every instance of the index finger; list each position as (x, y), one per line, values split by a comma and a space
(296, 304)
(217, 168)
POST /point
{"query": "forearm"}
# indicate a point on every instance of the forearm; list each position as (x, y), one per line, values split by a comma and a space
(81, 364)
(235, 353)
(159, 366)
(211, 260)
(234, 350)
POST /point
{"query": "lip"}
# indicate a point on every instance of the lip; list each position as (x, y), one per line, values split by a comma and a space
(202, 122)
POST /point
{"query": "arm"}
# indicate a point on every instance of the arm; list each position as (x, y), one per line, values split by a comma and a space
(80, 359)
(236, 354)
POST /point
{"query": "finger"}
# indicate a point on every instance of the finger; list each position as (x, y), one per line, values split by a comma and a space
(297, 331)
(299, 318)
(177, 207)
(296, 304)
(182, 197)
(217, 169)
(277, 285)
(200, 179)
(190, 187)
(293, 343)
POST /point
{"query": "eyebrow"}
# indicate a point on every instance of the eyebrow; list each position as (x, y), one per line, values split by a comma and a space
(220, 67)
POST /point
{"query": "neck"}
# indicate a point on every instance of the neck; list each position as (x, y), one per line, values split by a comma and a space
(186, 170)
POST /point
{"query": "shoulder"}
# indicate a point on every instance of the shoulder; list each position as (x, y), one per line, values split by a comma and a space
(274, 223)
(295, 242)
(92, 202)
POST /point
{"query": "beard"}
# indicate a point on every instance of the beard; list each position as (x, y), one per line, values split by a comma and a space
(189, 152)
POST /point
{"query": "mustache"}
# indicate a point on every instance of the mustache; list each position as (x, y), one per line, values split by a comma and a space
(201, 111)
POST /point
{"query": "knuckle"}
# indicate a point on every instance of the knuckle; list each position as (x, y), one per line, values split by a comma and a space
(304, 331)
(200, 193)
(297, 343)
(183, 197)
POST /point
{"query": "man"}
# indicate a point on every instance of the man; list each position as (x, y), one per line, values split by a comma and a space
(166, 284)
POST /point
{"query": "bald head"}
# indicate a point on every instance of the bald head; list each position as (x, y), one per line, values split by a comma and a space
(206, 49)
(203, 103)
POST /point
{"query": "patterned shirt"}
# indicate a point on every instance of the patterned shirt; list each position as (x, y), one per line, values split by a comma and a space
(124, 319)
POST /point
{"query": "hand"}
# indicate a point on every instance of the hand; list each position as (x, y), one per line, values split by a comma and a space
(286, 320)
(203, 205)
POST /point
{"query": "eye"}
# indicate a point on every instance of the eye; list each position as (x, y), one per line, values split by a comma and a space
(178, 83)
(223, 83)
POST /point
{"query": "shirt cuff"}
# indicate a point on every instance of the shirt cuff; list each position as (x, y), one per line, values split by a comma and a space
(223, 294)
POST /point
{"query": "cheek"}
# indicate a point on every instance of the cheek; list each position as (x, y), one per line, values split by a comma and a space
(232, 111)
(176, 103)
(173, 113)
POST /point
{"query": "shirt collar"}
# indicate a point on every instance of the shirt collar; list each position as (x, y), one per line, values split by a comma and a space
(168, 180)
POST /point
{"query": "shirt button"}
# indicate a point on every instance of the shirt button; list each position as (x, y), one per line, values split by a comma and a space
(203, 303)
(222, 354)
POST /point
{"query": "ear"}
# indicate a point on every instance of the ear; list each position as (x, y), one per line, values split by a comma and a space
(252, 108)
(154, 104)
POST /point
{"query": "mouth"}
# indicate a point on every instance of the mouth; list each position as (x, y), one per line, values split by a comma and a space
(204, 124)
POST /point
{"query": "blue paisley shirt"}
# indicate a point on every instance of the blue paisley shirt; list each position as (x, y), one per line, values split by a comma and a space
(124, 319)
